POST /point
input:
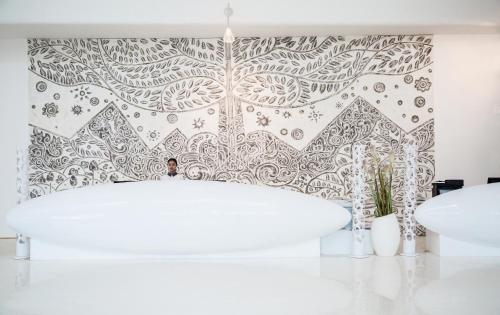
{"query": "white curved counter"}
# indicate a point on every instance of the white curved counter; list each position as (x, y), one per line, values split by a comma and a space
(172, 218)
(470, 214)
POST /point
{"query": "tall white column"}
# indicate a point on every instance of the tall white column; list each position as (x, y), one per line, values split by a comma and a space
(358, 201)
(22, 242)
(410, 184)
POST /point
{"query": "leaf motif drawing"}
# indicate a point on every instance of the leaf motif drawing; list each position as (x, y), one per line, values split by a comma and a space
(142, 71)
(190, 94)
(268, 91)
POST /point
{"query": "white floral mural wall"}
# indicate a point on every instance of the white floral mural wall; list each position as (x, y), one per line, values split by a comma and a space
(281, 112)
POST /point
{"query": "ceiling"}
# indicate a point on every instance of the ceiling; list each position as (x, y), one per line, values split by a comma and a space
(168, 18)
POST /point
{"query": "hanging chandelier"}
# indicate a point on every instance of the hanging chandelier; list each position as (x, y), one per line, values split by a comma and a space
(228, 34)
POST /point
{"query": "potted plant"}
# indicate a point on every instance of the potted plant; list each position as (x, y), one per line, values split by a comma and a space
(385, 233)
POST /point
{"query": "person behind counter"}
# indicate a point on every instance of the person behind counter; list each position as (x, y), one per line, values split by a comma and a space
(172, 170)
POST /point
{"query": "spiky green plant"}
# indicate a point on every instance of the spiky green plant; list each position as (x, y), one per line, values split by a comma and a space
(380, 172)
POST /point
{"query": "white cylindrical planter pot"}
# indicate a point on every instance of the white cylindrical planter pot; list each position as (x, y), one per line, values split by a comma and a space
(385, 235)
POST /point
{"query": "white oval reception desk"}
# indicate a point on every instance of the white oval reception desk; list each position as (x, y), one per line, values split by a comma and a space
(464, 222)
(176, 219)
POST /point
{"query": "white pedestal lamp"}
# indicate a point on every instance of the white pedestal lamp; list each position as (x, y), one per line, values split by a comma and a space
(409, 225)
(22, 242)
(358, 202)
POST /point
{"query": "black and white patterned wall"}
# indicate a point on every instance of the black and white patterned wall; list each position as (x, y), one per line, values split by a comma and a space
(281, 112)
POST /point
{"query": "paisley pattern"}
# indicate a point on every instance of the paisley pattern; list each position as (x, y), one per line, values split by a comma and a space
(125, 90)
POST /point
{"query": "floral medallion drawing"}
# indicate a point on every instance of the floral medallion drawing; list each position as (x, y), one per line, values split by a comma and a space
(282, 111)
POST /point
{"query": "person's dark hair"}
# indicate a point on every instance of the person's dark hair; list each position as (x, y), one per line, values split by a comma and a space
(172, 159)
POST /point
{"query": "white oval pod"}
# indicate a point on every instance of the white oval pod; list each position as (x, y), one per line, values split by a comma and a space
(470, 214)
(176, 217)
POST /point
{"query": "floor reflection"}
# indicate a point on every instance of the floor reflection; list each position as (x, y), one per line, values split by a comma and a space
(331, 285)
(468, 292)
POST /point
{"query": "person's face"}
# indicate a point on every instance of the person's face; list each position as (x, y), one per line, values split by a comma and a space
(172, 167)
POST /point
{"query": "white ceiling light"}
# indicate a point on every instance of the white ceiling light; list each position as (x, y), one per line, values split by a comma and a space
(228, 34)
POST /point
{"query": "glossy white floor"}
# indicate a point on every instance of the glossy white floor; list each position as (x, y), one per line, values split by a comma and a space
(426, 284)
